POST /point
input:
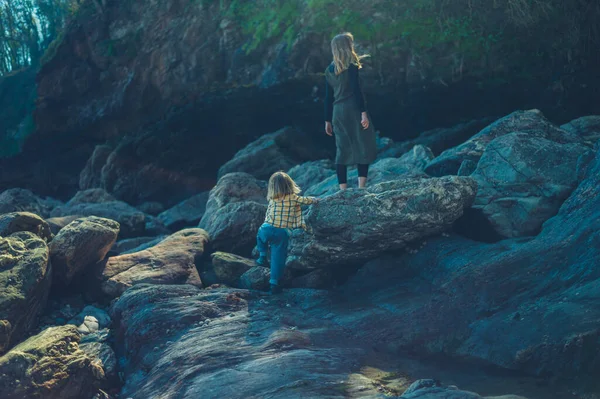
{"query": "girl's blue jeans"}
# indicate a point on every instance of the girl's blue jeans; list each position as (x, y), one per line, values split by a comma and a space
(277, 239)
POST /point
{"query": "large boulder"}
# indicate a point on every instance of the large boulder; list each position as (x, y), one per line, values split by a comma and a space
(21, 200)
(522, 304)
(587, 127)
(91, 196)
(438, 140)
(235, 210)
(228, 267)
(410, 164)
(312, 173)
(132, 221)
(233, 228)
(185, 214)
(82, 243)
(50, 365)
(236, 187)
(519, 189)
(531, 122)
(91, 175)
(256, 278)
(273, 152)
(58, 223)
(24, 285)
(356, 225)
(172, 261)
(24, 221)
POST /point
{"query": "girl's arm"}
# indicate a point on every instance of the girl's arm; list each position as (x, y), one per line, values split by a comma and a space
(355, 83)
(306, 200)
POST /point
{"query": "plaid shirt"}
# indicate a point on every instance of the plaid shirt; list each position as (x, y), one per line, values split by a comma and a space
(286, 213)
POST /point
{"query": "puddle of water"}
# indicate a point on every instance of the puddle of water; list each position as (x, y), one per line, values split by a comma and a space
(395, 373)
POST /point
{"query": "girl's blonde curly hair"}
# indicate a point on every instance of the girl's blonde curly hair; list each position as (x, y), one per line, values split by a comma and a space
(280, 185)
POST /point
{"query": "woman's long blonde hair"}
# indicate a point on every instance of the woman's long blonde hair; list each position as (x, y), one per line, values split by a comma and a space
(342, 47)
(280, 185)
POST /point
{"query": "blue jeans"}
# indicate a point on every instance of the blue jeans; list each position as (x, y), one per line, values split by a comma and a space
(277, 239)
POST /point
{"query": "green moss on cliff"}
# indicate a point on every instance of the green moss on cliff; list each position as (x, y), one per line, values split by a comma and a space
(462, 30)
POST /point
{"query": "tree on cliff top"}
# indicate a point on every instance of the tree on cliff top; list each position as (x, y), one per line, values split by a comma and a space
(27, 27)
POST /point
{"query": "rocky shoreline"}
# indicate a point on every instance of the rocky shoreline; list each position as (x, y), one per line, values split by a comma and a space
(108, 297)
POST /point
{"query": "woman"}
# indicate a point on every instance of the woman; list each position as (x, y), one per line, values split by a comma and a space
(346, 112)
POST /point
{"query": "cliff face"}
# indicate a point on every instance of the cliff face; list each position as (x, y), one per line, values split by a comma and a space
(179, 72)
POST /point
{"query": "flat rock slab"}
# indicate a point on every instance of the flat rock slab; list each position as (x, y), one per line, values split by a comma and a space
(410, 164)
(356, 225)
(185, 342)
(172, 261)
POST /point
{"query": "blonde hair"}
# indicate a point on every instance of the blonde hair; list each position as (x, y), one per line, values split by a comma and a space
(342, 47)
(280, 185)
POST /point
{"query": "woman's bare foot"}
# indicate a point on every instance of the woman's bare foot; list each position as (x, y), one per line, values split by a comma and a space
(362, 182)
(343, 187)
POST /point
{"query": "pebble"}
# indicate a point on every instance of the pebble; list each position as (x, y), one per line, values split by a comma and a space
(287, 305)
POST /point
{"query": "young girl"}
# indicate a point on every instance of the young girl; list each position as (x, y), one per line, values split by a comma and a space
(346, 112)
(283, 213)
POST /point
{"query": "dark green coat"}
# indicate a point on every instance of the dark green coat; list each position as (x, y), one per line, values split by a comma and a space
(355, 145)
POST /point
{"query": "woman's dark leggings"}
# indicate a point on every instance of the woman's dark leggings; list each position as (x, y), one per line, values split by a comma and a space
(342, 172)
